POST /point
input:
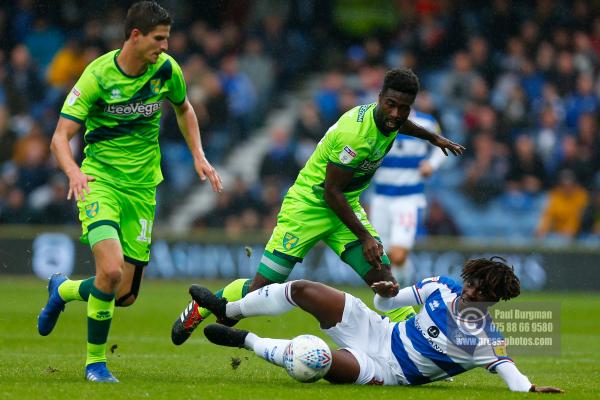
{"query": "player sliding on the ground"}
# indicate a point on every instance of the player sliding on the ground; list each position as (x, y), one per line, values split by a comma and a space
(452, 333)
(323, 204)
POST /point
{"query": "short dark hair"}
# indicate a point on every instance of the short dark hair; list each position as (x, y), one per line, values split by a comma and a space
(145, 16)
(496, 278)
(402, 80)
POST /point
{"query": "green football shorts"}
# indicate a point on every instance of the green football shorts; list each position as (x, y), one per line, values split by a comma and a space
(301, 225)
(129, 210)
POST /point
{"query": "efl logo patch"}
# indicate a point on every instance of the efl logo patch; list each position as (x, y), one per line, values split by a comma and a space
(290, 241)
(91, 210)
(73, 96)
(347, 155)
(499, 348)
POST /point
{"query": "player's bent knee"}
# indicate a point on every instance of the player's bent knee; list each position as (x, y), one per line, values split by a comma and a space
(344, 368)
(301, 289)
(112, 277)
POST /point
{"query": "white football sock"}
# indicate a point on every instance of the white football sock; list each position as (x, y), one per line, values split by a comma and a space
(274, 299)
(266, 348)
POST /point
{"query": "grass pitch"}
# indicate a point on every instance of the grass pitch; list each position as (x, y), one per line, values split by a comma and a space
(149, 366)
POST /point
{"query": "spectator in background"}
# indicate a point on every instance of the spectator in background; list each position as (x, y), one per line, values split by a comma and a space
(485, 171)
(498, 23)
(583, 100)
(544, 59)
(526, 173)
(308, 130)
(271, 204)
(589, 141)
(515, 56)
(242, 198)
(532, 80)
(571, 157)
(516, 113)
(565, 75)
(43, 41)
(16, 210)
(480, 57)
(30, 157)
(67, 65)
(241, 96)
(585, 57)
(24, 88)
(563, 213)
(548, 138)
(458, 83)
(217, 216)
(178, 46)
(327, 96)
(260, 69)
(58, 210)
(279, 164)
(8, 136)
(438, 222)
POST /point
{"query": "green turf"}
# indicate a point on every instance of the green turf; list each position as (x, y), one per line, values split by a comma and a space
(149, 366)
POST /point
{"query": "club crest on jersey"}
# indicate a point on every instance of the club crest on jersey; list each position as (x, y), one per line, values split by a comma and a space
(91, 210)
(155, 85)
(290, 241)
(347, 155)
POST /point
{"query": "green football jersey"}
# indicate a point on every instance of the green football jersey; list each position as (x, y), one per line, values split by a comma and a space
(121, 114)
(354, 142)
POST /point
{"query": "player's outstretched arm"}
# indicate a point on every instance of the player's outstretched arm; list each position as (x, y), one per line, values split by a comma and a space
(412, 129)
(188, 124)
(78, 181)
(517, 382)
(388, 297)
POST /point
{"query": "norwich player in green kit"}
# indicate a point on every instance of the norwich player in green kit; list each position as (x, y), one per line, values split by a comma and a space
(323, 204)
(118, 99)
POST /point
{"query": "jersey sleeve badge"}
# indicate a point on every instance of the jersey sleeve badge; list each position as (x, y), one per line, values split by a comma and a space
(347, 155)
(499, 348)
(75, 93)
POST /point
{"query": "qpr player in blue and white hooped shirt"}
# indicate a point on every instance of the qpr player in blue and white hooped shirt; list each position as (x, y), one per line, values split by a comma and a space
(439, 342)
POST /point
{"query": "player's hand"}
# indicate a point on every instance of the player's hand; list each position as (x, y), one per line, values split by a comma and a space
(385, 288)
(545, 389)
(78, 184)
(425, 169)
(447, 144)
(205, 170)
(373, 250)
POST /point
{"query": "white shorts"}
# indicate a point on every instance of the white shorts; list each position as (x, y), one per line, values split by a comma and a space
(396, 219)
(367, 335)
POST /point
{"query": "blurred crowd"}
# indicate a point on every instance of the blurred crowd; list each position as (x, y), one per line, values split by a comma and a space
(516, 82)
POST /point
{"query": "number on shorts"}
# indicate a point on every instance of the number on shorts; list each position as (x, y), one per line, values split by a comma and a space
(146, 230)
